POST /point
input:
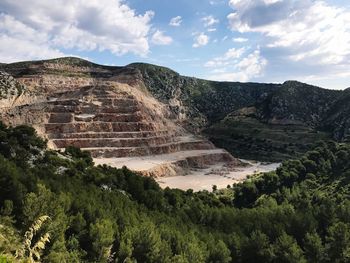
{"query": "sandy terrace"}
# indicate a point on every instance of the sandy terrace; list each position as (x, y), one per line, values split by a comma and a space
(197, 179)
(145, 163)
(204, 179)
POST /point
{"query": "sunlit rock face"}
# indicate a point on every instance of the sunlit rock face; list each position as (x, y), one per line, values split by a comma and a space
(107, 111)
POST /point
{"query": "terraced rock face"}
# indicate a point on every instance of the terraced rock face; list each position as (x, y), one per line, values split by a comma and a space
(112, 123)
(114, 118)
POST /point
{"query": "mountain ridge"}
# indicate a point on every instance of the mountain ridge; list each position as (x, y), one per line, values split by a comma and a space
(199, 105)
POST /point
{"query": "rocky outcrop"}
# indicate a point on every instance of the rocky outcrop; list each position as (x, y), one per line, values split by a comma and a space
(10, 88)
(13, 92)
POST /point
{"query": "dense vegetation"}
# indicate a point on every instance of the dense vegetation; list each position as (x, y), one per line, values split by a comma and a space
(249, 138)
(61, 208)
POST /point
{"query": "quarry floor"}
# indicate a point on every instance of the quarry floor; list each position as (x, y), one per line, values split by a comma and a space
(204, 179)
(195, 178)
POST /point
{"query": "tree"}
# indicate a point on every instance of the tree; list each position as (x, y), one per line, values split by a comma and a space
(125, 250)
(338, 242)
(286, 250)
(257, 248)
(194, 253)
(102, 237)
(11, 183)
(219, 253)
(314, 249)
(7, 208)
(246, 194)
(147, 244)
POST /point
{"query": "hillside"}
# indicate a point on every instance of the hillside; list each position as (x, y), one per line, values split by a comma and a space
(58, 207)
(269, 122)
(338, 119)
(202, 102)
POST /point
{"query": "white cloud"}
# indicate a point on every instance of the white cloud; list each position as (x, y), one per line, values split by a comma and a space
(248, 68)
(210, 21)
(219, 70)
(17, 49)
(272, 1)
(20, 42)
(211, 29)
(84, 25)
(216, 2)
(200, 40)
(175, 21)
(159, 38)
(239, 40)
(312, 32)
(224, 60)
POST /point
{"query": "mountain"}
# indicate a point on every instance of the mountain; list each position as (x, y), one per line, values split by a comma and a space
(251, 120)
(270, 122)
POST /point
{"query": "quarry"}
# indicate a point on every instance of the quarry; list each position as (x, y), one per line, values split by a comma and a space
(110, 113)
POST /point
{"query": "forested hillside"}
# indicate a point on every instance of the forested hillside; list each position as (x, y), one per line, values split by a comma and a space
(268, 122)
(60, 208)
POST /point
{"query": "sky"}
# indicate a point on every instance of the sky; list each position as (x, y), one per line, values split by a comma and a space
(229, 40)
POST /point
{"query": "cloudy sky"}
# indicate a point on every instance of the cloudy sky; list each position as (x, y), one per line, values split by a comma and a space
(233, 40)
